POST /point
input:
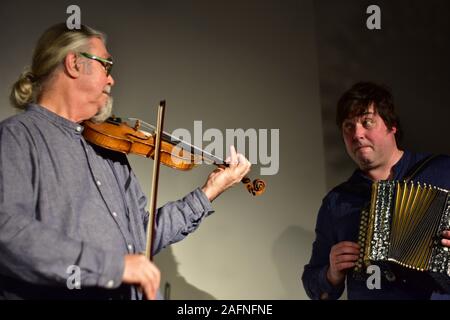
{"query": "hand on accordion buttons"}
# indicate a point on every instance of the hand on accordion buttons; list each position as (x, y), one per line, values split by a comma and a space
(446, 238)
(343, 256)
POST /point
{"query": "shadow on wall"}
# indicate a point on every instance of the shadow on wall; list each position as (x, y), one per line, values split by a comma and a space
(173, 285)
(291, 251)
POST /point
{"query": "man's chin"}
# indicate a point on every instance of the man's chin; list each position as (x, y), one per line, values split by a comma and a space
(365, 163)
(362, 160)
(104, 113)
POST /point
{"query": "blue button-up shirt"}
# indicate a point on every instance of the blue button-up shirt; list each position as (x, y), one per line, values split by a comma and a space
(64, 202)
(338, 220)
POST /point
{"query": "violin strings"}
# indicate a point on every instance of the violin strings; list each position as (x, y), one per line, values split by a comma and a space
(183, 144)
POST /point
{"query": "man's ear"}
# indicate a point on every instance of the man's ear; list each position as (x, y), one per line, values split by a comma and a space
(72, 65)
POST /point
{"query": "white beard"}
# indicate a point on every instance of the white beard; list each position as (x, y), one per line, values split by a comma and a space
(104, 112)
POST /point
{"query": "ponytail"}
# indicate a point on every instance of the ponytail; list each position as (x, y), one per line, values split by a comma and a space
(23, 90)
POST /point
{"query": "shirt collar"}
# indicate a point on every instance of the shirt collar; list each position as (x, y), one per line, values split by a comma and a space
(73, 127)
(399, 169)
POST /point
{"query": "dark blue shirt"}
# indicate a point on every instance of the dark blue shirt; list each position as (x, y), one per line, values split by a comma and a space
(338, 220)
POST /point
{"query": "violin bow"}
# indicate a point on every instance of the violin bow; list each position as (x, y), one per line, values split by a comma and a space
(155, 178)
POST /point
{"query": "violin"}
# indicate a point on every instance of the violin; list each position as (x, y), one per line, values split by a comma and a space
(115, 134)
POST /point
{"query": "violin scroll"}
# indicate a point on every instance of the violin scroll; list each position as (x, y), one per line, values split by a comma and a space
(255, 187)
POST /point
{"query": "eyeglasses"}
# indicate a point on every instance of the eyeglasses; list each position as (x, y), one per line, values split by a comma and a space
(106, 63)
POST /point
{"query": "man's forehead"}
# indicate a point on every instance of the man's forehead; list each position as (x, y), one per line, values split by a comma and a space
(370, 110)
(98, 48)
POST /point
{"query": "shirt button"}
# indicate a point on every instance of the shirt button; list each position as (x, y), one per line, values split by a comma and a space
(114, 214)
(130, 247)
(99, 183)
(324, 296)
(78, 129)
(110, 284)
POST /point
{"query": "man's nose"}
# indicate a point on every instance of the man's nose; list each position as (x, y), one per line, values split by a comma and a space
(358, 131)
(111, 80)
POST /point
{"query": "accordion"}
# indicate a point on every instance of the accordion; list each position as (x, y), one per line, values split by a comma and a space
(403, 225)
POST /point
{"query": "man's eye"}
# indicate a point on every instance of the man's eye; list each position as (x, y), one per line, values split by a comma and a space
(368, 123)
(347, 126)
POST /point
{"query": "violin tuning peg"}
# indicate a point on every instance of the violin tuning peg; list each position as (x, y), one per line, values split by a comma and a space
(137, 125)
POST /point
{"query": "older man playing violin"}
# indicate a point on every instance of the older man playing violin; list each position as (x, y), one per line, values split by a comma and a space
(65, 202)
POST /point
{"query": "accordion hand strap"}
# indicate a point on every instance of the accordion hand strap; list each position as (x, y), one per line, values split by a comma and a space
(418, 167)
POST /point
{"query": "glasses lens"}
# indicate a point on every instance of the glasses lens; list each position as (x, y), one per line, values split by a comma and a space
(108, 68)
(107, 64)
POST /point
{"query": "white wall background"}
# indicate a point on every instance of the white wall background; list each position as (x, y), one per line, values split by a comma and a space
(231, 64)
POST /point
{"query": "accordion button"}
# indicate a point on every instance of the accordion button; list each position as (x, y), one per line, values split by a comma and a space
(390, 276)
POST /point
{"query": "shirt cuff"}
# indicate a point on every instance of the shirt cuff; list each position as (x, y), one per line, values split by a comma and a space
(200, 203)
(113, 269)
(328, 291)
(101, 268)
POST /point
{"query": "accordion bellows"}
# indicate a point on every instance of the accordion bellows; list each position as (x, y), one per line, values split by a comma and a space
(403, 225)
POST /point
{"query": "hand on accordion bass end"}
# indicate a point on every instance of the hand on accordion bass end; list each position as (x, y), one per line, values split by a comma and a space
(446, 238)
(343, 256)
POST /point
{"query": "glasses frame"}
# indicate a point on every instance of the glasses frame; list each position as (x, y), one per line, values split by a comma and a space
(106, 63)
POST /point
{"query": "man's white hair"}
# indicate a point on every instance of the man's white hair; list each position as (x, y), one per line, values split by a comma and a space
(49, 54)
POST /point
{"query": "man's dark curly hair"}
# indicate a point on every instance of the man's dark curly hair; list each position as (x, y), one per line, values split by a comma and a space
(357, 100)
